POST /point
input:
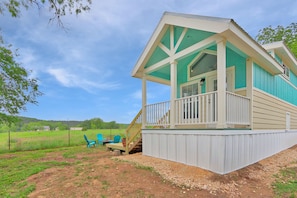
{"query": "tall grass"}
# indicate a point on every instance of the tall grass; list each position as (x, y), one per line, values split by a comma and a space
(20, 141)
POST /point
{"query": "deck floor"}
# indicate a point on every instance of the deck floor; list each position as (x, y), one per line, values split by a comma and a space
(117, 146)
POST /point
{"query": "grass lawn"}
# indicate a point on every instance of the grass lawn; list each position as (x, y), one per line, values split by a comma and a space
(17, 167)
(21, 141)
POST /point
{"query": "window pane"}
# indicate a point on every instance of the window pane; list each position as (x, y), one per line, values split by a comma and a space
(189, 90)
(206, 63)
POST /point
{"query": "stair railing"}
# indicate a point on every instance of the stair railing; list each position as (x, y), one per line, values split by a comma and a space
(133, 132)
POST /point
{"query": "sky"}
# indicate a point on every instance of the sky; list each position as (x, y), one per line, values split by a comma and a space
(84, 70)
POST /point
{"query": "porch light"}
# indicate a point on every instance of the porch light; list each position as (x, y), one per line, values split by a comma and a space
(202, 81)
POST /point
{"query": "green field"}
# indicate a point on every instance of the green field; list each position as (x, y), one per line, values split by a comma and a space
(20, 141)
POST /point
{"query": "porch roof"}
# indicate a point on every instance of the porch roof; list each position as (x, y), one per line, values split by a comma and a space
(282, 50)
(163, 47)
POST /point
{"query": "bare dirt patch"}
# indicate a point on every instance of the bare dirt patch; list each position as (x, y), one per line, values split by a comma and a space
(100, 174)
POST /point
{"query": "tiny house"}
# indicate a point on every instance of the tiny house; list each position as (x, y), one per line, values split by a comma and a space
(232, 101)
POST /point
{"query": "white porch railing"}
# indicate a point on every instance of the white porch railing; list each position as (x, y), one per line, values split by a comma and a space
(199, 109)
(158, 114)
(238, 109)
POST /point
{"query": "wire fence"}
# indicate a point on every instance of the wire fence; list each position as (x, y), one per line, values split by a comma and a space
(22, 141)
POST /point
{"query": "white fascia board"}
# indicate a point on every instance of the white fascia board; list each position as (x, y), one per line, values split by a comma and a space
(273, 45)
(283, 49)
(254, 49)
(285, 53)
(204, 23)
(210, 24)
(151, 45)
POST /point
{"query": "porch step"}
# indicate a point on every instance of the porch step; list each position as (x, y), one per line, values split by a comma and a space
(137, 147)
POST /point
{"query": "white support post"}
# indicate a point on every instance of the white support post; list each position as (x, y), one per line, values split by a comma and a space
(249, 86)
(144, 101)
(173, 82)
(221, 84)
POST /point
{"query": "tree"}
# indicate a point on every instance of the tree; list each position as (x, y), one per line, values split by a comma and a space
(287, 34)
(58, 7)
(17, 88)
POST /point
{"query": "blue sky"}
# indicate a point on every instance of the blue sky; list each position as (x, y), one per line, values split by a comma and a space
(85, 72)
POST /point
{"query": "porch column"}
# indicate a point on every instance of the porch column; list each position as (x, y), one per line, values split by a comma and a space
(249, 86)
(173, 82)
(221, 84)
(143, 101)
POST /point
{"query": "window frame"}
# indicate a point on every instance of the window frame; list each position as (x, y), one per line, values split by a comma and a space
(199, 55)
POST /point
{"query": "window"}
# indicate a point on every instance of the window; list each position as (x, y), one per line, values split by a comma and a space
(190, 89)
(205, 63)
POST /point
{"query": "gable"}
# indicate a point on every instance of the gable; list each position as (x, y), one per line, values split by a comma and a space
(191, 37)
(178, 37)
(280, 52)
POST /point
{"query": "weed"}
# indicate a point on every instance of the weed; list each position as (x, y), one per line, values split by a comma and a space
(286, 183)
(148, 168)
(69, 155)
(105, 185)
(106, 166)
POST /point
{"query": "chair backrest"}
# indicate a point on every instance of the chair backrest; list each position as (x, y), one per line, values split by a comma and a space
(86, 138)
(116, 139)
(100, 137)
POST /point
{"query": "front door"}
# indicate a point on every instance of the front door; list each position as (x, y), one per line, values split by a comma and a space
(212, 86)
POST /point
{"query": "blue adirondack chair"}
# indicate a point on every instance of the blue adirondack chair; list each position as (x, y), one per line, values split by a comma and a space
(116, 139)
(90, 142)
(101, 139)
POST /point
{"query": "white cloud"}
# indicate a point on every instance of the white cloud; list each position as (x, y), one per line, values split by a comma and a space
(68, 78)
(137, 95)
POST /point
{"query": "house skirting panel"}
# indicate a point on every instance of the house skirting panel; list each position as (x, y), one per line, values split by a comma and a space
(220, 151)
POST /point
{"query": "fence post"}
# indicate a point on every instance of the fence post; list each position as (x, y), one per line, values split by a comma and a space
(9, 140)
(68, 136)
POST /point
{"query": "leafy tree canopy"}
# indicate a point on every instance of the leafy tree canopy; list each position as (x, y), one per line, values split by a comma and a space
(58, 7)
(280, 33)
(17, 88)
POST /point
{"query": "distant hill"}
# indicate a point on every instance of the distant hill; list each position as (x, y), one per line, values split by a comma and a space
(70, 123)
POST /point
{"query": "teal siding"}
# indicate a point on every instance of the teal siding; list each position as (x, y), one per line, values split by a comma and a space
(234, 59)
(182, 71)
(274, 85)
(278, 59)
(293, 78)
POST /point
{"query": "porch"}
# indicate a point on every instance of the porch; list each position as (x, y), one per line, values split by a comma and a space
(198, 111)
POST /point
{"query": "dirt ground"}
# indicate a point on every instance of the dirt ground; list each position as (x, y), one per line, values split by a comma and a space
(104, 175)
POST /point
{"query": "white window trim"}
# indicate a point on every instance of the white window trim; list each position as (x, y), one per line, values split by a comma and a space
(229, 70)
(206, 51)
